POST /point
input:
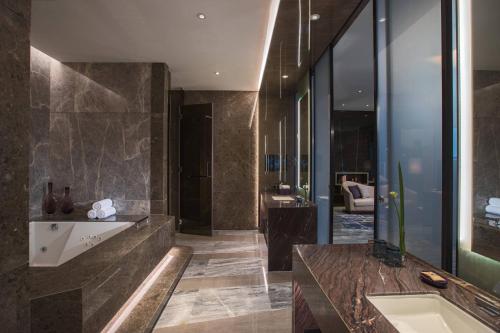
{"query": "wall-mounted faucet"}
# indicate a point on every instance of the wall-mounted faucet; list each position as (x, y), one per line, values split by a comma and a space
(489, 306)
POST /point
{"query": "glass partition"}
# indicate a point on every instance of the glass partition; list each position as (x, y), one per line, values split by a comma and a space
(321, 107)
(354, 125)
(410, 122)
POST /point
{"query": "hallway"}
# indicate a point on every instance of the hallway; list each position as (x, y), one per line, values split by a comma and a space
(226, 288)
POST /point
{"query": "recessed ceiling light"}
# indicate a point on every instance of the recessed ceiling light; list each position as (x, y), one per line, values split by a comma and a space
(382, 20)
(360, 91)
(285, 76)
(315, 17)
(217, 73)
(343, 104)
(201, 16)
(367, 105)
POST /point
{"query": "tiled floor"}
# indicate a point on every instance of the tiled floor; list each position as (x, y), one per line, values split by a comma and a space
(351, 228)
(226, 288)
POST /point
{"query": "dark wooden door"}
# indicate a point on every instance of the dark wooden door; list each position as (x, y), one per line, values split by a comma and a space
(196, 169)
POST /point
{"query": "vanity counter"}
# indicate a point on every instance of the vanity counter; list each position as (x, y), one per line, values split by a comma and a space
(331, 283)
(285, 223)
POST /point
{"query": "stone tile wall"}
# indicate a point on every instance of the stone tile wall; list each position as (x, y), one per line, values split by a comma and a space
(99, 128)
(14, 166)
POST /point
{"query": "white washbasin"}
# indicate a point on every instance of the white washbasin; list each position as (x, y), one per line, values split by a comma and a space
(426, 313)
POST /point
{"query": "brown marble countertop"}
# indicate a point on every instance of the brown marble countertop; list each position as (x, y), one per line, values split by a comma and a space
(89, 265)
(271, 203)
(336, 279)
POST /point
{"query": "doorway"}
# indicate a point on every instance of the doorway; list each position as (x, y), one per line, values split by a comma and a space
(353, 128)
(196, 169)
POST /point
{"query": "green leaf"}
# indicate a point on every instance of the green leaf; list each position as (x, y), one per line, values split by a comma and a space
(402, 243)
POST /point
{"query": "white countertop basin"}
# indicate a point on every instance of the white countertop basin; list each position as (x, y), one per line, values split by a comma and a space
(426, 313)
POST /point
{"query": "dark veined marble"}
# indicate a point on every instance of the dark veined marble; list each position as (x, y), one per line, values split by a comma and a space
(335, 280)
(99, 128)
(304, 321)
(146, 313)
(83, 294)
(14, 163)
(235, 123)
(286, 224)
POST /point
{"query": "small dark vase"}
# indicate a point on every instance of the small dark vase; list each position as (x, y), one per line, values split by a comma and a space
(67, 204)
(393, 256)
(49, 202)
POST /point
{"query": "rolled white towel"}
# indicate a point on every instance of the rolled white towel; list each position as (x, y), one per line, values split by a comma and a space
(92, 214)
(493, 210)
(494, 202)
(105, 203)
(106, 212)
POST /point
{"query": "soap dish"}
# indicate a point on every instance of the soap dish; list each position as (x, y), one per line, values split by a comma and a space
(434, 279)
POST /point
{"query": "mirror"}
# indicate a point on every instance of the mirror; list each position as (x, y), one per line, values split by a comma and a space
(303, 142)
(486, 128)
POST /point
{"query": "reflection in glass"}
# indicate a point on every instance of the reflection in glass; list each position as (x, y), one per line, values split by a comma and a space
(410, 121)
(479, 126)
(303, 144)
(321, 133)
(354, 148)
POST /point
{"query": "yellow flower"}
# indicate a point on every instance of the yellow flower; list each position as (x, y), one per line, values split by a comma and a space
(394, 194)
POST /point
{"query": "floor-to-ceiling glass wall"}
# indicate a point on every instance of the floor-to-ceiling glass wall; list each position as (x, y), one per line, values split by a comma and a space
(410, 122)
(321, 145)
(354, 127)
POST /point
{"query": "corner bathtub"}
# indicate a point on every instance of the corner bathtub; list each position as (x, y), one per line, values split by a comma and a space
(54, 242)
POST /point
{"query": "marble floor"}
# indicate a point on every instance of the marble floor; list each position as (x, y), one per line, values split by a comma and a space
(351, 228)
(226, 288)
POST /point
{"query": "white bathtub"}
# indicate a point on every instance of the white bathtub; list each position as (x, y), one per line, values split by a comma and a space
(52, 243)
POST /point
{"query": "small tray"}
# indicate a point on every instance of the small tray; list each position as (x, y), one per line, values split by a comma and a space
(434, 279)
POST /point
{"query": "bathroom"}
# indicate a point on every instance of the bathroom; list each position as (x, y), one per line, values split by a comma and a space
(237, 166)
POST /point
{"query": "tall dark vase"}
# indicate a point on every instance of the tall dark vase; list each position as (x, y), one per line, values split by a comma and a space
(49, 202)
(67, 204)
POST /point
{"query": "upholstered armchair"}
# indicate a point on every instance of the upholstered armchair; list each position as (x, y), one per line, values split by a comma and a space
(366, 204)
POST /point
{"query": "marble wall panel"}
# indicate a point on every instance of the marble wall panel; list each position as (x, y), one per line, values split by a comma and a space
(160, 82)
(176, 99)
(235, 124)
(40, 124)
(14, 162)
(101, 87)
(100, 129)
(100, 155)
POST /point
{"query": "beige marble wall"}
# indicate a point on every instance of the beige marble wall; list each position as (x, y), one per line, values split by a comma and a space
(100, 129)
(235, 145)
(14, 163)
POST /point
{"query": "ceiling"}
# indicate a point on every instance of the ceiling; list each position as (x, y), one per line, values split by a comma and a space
(292, 25)
(231, 40)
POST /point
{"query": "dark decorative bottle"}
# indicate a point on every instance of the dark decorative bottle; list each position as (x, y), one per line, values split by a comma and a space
(49, 202)
(67, 204)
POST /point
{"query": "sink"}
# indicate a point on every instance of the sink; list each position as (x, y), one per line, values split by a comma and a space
(426, 313)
